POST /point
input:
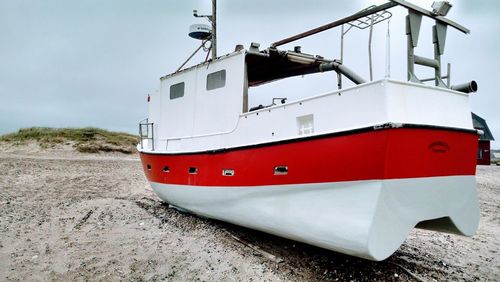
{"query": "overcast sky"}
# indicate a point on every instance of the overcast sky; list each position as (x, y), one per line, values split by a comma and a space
(66, 63)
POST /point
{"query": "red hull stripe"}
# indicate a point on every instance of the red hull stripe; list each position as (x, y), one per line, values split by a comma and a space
(381, 154)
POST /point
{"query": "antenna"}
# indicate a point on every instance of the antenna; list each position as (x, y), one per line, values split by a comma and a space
(213, 20)
(388, 51)
(204, 33)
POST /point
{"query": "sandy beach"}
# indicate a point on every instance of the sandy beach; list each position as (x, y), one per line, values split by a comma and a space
(75, 216)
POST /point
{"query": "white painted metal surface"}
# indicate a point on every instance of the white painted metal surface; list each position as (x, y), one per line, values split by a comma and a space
(199, 111)
(368, 219)
(214, 119)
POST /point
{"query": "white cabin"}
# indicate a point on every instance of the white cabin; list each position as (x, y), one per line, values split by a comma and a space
(207, 98)
(205, 107)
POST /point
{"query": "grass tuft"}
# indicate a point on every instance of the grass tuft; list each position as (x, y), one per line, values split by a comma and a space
(85, 140)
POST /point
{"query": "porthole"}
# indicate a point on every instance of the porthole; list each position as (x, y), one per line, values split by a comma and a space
(149, 167)
(228, 172)
(193, 170)
(281, 170)
(166, 169)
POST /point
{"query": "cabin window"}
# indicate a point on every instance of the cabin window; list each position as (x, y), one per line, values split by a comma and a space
(176, 90)
(216, 80)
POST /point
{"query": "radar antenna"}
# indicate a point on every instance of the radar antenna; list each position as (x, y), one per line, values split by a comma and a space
(213, 20)
(204, 33)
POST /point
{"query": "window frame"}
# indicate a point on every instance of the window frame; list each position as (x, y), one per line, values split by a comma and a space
(175, 85)
(215, 74)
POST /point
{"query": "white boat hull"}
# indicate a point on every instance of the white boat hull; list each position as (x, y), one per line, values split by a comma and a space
(368, 219)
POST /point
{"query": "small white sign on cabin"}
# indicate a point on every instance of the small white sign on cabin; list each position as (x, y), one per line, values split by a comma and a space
(305, 124)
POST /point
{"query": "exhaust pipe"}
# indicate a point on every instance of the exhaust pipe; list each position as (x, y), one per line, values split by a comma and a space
(469, 87)
(338, 67)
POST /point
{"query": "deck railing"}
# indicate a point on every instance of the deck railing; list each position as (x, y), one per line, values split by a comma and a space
(146, 132)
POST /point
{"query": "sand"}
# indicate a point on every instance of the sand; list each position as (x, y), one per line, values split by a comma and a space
(67, 216)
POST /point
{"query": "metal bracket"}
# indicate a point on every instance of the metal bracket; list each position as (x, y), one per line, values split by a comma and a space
(413, 78)
(430, 14)
(413, 24)
(439, 30)
(439, 34)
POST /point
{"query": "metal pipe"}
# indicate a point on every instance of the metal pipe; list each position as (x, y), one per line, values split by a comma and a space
(370, 48)
(300, 58)
(432, 79)
(388, 51)
(468, 87)
(426, 62)
(449, 76)
(351, 18)
(194, 53)
(342, 34)
(214, 30)
(140, 134)
(152, 137)
(351, 75)
(339, 77)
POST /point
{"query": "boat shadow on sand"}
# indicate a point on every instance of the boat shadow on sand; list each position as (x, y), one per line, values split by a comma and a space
(301, 261)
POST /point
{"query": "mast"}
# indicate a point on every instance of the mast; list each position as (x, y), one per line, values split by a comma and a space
(213, 20)
(213, 32)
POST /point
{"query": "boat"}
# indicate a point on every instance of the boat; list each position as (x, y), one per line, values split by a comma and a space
(353, 170)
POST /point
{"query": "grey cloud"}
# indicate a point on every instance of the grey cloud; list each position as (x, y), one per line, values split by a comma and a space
(92, 63)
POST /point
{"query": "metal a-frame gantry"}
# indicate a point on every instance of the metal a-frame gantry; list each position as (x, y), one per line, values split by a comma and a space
(413, 25)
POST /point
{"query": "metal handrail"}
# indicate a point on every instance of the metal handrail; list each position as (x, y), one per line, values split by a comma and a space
(147, 136)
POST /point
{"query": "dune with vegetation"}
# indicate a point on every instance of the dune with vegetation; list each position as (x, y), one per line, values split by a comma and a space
(83, 140)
